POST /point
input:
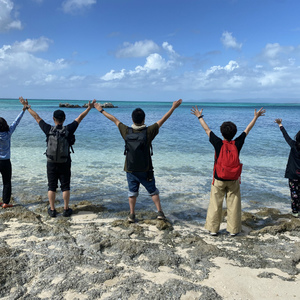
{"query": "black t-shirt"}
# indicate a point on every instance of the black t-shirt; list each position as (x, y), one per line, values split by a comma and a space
(70, 127)
(217, 143)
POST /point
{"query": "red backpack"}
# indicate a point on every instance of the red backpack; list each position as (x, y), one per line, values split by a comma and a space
(228, 164)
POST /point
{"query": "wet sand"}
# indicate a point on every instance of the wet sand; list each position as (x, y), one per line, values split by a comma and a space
(97, 254)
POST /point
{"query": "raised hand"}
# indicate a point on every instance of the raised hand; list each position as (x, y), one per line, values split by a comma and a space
(91, 104)
(177, 103)
(22, 101)
(195, 111)
(259, 113)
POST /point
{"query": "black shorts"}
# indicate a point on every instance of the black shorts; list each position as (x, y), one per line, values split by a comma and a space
(61, 172)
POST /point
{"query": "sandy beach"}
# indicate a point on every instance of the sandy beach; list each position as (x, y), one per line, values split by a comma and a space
(93, 256)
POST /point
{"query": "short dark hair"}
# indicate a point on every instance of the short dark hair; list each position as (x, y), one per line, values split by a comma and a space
(228, 130)
(59, 115)
(3, 125)
(138, 116)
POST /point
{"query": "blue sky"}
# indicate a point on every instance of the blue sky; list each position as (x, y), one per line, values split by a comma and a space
(157, 50)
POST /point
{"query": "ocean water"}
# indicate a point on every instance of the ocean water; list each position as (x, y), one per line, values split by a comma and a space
(183, 157)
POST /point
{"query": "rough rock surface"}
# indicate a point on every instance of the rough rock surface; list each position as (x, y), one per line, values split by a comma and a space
(98, 255)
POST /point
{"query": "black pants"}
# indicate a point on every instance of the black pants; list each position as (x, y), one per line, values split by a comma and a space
(295, 194)
(5, 170)
(59, 172)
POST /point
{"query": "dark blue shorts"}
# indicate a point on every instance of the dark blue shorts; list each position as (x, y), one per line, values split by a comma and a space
(134, 180)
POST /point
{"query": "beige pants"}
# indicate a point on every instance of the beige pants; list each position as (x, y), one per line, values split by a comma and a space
(231, 191)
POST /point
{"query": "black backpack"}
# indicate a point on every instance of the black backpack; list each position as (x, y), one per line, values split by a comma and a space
(59, 142)
(138, 154)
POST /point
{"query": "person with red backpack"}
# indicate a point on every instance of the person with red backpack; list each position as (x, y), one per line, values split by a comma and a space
(226, 176)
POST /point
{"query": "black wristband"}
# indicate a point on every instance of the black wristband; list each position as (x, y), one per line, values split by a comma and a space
(200, 116)
(102, 110)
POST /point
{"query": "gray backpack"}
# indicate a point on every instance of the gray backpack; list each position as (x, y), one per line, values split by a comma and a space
(58, 146)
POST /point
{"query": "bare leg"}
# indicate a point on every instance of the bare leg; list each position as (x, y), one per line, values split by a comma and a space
(66, 197)
(132, 202)
(156, 201)
(51, 196)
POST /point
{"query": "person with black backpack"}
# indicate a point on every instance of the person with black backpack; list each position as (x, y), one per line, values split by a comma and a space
(60, 139)
(138, 150)
(226, 177)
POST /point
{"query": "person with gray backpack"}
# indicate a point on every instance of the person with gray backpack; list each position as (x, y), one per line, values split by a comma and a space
(60, 139)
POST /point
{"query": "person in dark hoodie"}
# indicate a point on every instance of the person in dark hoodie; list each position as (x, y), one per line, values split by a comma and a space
(6, 132)
(292, 171)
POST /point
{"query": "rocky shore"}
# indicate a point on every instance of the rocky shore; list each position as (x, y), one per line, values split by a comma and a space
(104, 105)
(97, 254)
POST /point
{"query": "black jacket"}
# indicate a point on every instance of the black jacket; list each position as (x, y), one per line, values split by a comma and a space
(293, 165)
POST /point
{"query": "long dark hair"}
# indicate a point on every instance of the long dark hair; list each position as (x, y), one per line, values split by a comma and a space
(297, 138)
(3, 125)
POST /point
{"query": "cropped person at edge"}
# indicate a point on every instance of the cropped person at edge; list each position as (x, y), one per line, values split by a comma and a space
(5, 163)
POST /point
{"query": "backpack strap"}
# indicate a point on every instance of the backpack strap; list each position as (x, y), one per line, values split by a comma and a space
(214, 172)
(130, 130)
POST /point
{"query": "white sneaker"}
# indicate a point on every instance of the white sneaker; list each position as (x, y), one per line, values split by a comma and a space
(213, 233)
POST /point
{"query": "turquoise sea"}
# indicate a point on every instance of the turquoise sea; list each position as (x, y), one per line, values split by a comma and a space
(183, 157)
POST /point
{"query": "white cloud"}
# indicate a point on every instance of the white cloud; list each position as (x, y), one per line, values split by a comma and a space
(73, 6)
(155, 63)
(6, 21)
(229, 41)
(113, 75)
(19, 67)
(231, 66)
(168, 47)
(138, 49)
(275, 54)
(32, 45)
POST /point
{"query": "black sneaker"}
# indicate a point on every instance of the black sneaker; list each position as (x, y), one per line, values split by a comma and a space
(131, 218)
(161, 215)
(67, 212)
(52, 213)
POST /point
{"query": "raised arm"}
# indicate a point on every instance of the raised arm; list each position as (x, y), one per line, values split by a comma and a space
(195, 111)
(31, 111)
(106, 114)
(169, 113)
(83, 114)
(257, 114)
